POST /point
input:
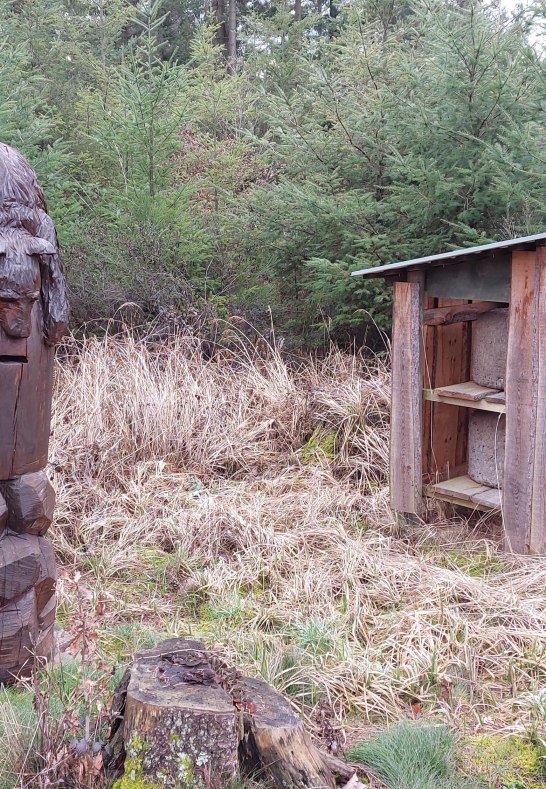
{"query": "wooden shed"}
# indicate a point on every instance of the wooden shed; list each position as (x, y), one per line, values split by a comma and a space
(468, 423)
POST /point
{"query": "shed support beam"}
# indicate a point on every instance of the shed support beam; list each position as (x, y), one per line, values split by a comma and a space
(524, 495)
(537, 536)
(406, 409)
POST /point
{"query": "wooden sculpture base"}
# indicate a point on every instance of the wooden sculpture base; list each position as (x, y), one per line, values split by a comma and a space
(27, 575)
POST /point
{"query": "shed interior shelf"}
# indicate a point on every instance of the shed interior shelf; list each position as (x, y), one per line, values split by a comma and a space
(463, 490)
(469, 395)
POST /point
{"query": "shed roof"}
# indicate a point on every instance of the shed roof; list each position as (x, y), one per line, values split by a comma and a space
(456, 255)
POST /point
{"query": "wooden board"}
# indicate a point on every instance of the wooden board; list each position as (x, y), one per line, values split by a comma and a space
(438, 316)
(491, 498)
(465, 492)
(447, 362)
(537, 535)
(406, 416)
(481, 405)
(428, 336)
(521, 397)
(34, 401)
(26, 390)
(466, 391)
(462, 487)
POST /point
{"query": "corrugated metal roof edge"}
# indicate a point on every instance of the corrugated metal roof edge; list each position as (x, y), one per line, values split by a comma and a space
(513, 243)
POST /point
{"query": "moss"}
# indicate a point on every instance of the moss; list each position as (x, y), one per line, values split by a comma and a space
(319, 446)
(506, 762)
(476, 564)
(133, 777)
(130, 781)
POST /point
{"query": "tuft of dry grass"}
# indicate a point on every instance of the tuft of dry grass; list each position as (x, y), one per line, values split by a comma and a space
(243, 499)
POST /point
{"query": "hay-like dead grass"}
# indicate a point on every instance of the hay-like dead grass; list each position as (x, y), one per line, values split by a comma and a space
(243, 499)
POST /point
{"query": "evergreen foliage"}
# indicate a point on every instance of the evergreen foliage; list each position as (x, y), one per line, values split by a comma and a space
(342, 136)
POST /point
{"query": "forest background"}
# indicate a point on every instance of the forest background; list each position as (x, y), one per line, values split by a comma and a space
(213, 159)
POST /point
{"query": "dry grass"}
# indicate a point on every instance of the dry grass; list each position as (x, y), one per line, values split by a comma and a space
(243, 499)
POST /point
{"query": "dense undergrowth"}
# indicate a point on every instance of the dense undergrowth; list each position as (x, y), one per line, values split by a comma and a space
(241, 498)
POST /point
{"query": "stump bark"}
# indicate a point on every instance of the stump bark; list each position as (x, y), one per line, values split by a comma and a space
(183, 718)
(275, 740)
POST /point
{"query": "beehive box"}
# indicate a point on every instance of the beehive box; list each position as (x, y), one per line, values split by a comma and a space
(468, 418)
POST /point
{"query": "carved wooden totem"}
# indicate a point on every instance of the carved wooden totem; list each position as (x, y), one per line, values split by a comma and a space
(33, 317)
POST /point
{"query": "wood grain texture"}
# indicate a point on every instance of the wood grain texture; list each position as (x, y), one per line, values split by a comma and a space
(521, 401)
(537, 531)
(438, 316)
(275, 742)
(18, 634)
(466, 391)
(33, 422)
(19, 566)
(447, 362)
(45, 584)
(31, 502)
(428, 340)
(406, 413)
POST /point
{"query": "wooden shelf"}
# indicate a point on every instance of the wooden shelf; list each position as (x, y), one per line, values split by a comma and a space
(465, 492)
(469, 395)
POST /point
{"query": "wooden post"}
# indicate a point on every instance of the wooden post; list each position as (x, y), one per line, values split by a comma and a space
(407, 398)
(522, 374)
(537, 536)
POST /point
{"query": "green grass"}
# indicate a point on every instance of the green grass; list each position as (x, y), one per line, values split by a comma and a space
(414, 756)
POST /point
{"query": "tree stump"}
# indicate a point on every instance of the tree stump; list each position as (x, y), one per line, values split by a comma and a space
(275, 740)
(179, 725)
(183, 718)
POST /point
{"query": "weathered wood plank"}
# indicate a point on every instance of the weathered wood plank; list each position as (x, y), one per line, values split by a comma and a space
(446, 362)
(491, 498)
(428, 339)
(521, 401)
(449, 425)
(34, 401)
(406, 414)
(462, 487)
(438, 316)
(458, 502)
(430, 395)
(466, 391)
(537, 535)
(464, 491)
